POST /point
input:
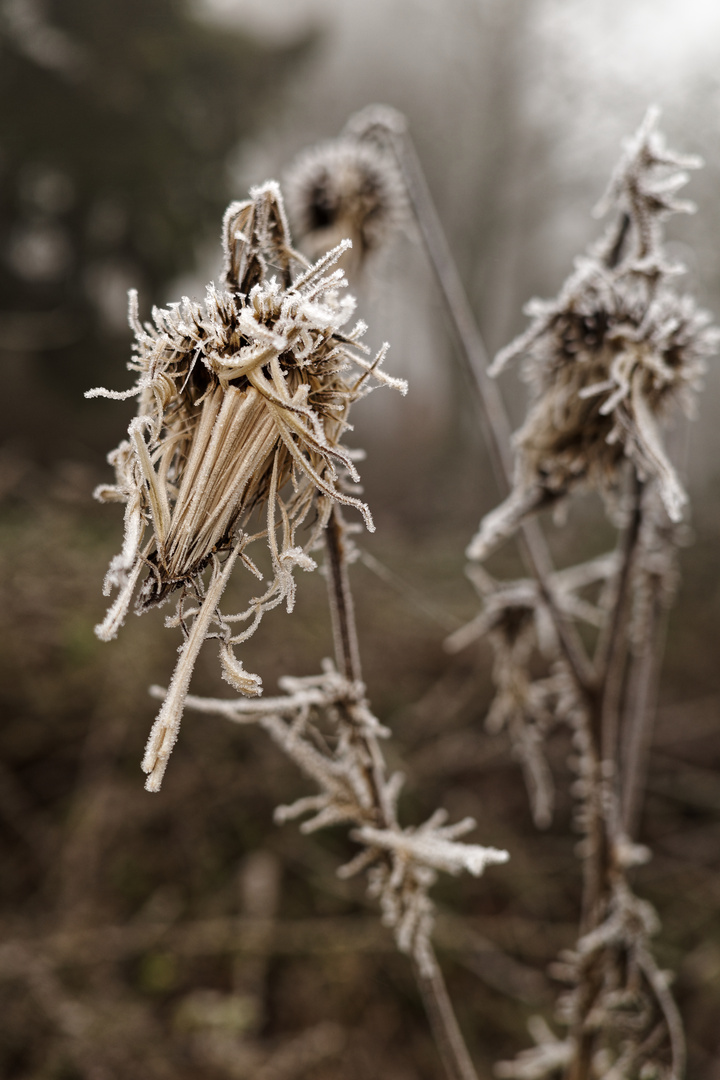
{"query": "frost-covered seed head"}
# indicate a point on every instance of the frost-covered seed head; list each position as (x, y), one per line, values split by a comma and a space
(243, 402)
(345, 188)
(610, 355)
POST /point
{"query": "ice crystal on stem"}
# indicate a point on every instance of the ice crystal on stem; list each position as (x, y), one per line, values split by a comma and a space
(243, 402)
(324, 724)
(606, 358)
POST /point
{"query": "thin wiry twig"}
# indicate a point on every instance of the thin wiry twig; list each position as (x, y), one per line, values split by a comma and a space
(342, 607)
(611, 661)
(413, 596)
(474, 360)
(642, 693)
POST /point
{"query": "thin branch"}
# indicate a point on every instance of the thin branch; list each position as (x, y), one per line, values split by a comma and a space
(642, 702)
(474, 361)
(448, 1037)
(414, 597)
(613, 647)
(342, 607)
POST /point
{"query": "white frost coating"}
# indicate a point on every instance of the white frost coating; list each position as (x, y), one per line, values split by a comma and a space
(431, 846)
(546, 1058)
(516, 623)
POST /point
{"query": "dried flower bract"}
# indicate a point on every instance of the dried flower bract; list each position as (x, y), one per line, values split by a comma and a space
(241, 400)
(609, 355)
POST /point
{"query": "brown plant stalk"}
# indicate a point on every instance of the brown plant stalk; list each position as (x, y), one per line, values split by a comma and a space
(448, 1036)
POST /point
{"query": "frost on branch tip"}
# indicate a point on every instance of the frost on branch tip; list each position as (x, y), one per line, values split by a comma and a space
(607, 358)
(243, 402)
(547, 1058)
(324, 723)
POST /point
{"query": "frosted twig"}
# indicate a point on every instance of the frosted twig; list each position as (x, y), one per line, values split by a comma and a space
(348, 767)
(325, 725)
(605, 360)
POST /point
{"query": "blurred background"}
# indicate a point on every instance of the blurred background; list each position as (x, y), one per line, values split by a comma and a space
(184, 935)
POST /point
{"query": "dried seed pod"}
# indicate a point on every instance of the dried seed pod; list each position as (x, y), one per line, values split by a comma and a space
(236, 398)
(608, 357)
(345, 187)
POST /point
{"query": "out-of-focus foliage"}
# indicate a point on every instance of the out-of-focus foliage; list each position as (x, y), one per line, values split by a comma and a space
(116, 124)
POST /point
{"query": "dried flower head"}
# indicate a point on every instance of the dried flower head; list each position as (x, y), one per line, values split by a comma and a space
(345, 187)
(241, 400)
(606, 359)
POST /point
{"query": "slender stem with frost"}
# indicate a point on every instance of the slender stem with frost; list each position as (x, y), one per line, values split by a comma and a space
(164, 732)
(474, 359)
(613, 646)
(642, 700)
(342, 608)
(604, 720)
(446, 1031)
(609, 706)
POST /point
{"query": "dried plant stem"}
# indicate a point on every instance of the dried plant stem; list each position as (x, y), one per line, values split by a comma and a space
(163, 735)
(642, 699)
(474, 359)
(342, 608)
(609, 705)
(611, 660)
(473, 354)
(596, 863)
(446, 1031)
(580, 1066)
(605, 709)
